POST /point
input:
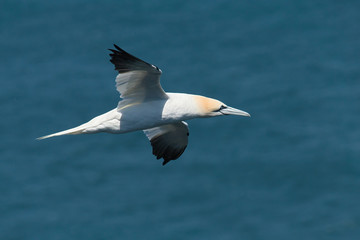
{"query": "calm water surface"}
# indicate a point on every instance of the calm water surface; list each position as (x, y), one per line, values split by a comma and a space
(291, 171)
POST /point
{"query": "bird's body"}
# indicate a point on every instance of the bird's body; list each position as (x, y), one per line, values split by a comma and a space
(145, 106)
(178, 107)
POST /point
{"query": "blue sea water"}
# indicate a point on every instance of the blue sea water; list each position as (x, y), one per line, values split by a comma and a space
(291, 171)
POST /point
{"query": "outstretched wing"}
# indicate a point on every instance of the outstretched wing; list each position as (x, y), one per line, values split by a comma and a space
(137, 80)
(168, 141)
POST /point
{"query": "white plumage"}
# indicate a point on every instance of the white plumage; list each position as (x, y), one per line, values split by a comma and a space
(145, 106)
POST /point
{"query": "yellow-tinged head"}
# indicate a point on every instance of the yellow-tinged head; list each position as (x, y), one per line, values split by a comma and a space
(211, 107)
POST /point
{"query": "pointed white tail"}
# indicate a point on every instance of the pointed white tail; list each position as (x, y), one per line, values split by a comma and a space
(72, 131)
(107, 122)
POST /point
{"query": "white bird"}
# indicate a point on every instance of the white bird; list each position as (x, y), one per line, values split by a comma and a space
(145, 106)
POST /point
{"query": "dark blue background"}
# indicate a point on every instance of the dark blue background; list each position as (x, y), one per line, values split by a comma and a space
(291, 171)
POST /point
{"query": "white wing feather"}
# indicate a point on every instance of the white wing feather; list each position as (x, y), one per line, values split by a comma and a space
(139, 85)
(137, 80)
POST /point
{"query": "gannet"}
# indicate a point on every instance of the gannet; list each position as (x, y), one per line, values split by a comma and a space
(146, 106)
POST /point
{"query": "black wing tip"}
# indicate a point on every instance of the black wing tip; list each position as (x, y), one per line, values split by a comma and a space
(122, 59)
(167, 153)
(125, 62)
(119, 52)
(166, 161)
(171, 157)
(118, 49)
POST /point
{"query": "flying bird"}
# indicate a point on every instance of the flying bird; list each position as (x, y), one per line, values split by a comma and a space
(146, 106)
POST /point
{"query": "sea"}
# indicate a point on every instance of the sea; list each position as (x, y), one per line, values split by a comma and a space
(291, 171)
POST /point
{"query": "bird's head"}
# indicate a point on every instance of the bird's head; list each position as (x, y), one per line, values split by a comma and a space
(211, 107)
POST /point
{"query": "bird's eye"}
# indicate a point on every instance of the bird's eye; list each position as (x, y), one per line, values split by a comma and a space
(221, 108)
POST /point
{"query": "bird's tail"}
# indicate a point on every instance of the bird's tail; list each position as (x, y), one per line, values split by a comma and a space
(93, 126)
(72, 131)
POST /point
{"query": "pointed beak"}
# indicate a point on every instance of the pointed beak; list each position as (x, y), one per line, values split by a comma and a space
(234, 111)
